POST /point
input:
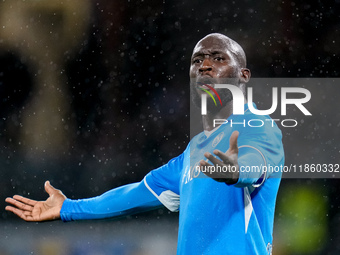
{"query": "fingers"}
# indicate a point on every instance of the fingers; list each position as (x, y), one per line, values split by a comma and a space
(22, 203)
(233, 148)
(25, 212)
(25, 215)
(21, 206)
(225, 157)
(204, 163)
(24, 200)
(212, 159)
(14, 210)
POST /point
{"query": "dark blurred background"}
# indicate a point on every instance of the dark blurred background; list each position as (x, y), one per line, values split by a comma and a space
(95, 94)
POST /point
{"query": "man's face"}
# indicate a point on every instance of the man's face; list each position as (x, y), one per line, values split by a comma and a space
(213, 62)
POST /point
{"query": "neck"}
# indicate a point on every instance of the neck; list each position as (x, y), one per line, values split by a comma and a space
(224, 113)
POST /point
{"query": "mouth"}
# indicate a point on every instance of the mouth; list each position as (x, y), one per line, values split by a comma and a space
(204, 80)
(207, 86)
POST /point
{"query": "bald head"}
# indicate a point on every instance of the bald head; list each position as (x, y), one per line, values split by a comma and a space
(217, 59)
(225, 44)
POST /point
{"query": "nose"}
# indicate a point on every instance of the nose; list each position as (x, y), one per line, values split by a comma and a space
(206, 65)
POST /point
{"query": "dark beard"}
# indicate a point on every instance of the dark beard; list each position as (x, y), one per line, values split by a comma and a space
(225, 95)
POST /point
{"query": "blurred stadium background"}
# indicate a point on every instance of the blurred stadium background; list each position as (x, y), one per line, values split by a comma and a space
(94, 94)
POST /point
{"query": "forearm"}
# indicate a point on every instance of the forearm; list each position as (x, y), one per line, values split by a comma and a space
(124, 200)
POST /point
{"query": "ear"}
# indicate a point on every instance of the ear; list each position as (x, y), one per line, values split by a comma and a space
(245, 75)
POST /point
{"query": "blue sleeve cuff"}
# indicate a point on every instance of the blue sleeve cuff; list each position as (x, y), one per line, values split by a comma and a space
(251, 166)
(65, 217)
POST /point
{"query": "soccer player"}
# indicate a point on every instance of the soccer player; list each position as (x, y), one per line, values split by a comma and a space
(220, 212)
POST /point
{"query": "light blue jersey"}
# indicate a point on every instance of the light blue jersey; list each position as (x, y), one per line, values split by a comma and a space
(216, 218)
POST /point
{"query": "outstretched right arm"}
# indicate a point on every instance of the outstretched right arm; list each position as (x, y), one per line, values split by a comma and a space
(159, 187)
(124, 200)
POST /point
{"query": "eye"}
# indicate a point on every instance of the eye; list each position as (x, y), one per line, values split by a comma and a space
(196, 61)
(219, 59)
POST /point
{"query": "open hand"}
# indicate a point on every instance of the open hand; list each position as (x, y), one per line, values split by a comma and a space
(31, 210)
(227, 161)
